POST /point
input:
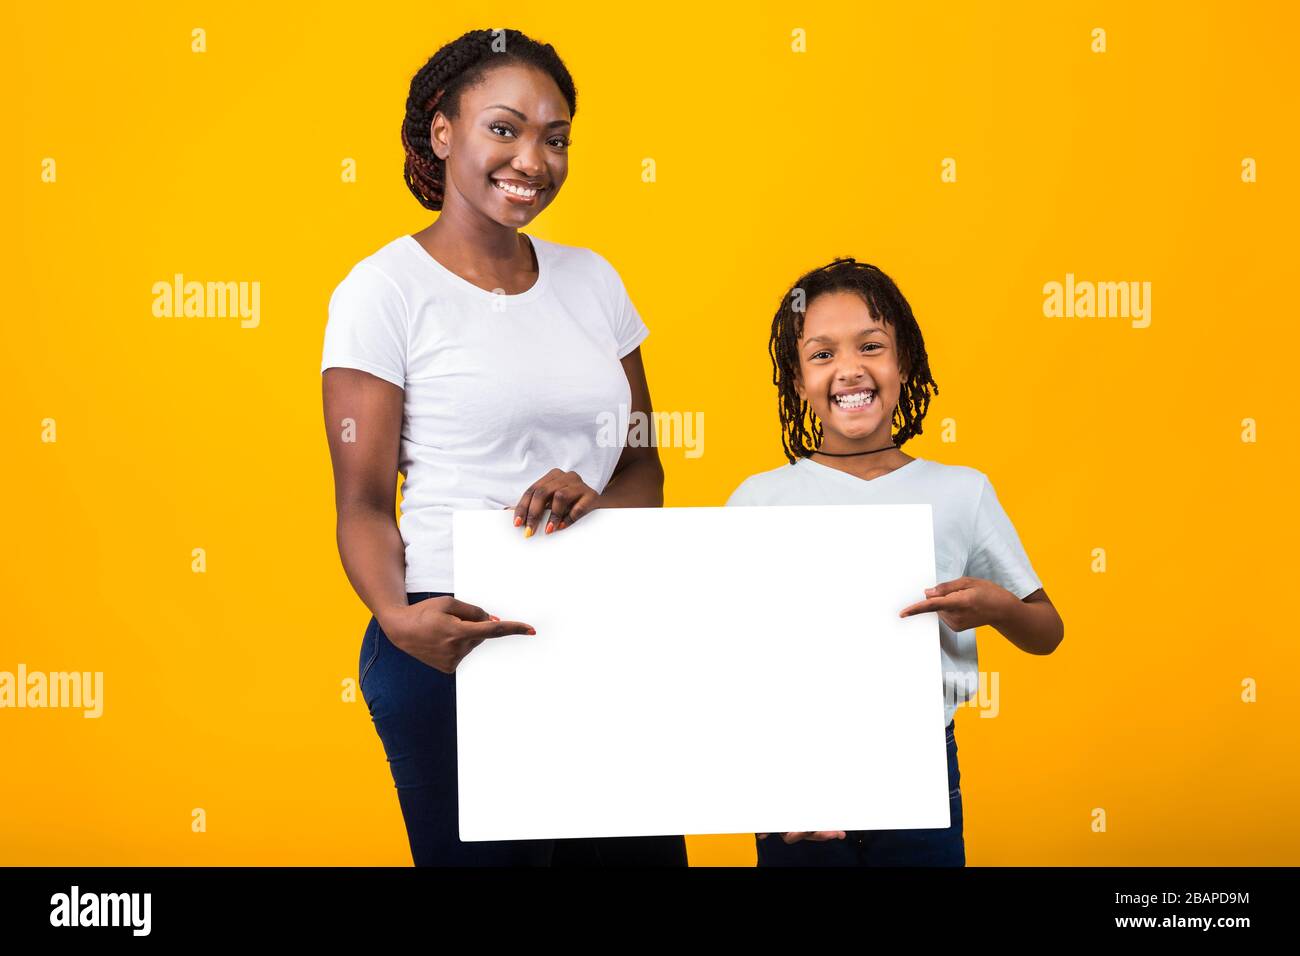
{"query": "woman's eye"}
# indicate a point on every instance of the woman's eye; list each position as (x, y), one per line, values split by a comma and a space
(496, 126)
(561, 142)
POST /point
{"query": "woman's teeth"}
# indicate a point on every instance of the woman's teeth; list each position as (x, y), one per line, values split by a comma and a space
(856, 400)
(515, 190)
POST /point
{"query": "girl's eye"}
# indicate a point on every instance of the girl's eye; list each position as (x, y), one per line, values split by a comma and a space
(877, 345)
(496, 126)
(822, 352)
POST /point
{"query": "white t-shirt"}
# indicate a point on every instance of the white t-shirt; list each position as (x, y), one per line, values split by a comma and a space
(499, 389)
(972, 535)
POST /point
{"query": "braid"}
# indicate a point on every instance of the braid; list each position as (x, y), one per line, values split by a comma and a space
(801, 432)
(438, 86)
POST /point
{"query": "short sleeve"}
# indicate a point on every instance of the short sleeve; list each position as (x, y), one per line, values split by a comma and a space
(366, 328)
(996, 553)
(743, 495)
(629, 329)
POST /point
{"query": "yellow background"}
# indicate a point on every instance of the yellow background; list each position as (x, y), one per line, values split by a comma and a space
(222, 690)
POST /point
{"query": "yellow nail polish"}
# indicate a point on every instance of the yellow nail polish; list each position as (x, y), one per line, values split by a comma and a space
(528, 532)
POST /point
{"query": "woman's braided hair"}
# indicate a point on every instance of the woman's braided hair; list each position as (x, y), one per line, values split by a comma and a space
(438, 85)
(801, 432)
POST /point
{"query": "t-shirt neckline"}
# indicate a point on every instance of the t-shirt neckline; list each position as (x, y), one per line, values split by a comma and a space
(543, 272)
(860, 481)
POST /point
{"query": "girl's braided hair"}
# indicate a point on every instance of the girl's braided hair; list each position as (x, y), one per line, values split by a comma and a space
(458, 66)
(800, 428)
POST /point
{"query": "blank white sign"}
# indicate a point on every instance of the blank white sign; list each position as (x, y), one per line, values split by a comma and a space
(701, 670)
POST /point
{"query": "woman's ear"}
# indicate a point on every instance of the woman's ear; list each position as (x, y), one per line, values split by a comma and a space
(440, 135)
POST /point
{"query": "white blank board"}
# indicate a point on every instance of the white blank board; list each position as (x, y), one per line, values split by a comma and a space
(701, 670)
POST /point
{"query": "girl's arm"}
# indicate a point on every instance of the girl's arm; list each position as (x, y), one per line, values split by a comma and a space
(1032, 624)
(638, 479)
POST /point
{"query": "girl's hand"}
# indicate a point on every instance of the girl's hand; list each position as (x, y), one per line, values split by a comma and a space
(965, 603)
(441, 631)
(818, 836)
(564, 492)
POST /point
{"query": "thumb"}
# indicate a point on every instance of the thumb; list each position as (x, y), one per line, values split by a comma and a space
(466, 611)
(947, 587)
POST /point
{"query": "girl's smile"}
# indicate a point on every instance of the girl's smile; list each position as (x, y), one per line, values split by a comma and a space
(853, 400)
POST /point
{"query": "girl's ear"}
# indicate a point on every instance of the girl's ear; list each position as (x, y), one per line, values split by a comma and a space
(798, 386)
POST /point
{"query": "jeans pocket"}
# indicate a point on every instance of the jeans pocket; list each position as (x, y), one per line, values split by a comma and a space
(369, 654)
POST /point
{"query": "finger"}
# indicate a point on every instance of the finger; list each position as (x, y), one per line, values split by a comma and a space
(560, 504)
(465, 611)
(794, 836)
(486, 629)
(521, 509)
(947, 587)
(823, 835)
(584, 505)
(924, 607)
(538, 502)
(762, 836)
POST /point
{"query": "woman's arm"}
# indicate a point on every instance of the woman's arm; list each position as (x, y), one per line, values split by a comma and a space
(638, 479)
(363, 421)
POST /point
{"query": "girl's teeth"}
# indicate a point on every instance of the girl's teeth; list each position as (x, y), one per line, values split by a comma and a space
(855, 401)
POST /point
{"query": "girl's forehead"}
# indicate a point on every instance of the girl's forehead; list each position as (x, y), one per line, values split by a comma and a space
(839, 313)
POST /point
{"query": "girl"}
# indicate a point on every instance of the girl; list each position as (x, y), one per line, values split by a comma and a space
(854, 384)
(474, 360)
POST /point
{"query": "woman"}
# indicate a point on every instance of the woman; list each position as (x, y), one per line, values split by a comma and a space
(474, 359)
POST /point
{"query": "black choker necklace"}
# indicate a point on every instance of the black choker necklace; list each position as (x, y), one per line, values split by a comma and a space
(850, 454)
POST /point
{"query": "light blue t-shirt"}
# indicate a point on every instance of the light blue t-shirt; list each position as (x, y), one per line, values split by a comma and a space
(973, 537)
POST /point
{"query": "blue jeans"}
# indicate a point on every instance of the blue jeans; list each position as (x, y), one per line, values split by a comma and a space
(413, 707)
(920, 847)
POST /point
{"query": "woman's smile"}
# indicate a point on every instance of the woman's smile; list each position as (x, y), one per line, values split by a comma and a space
(517, 191)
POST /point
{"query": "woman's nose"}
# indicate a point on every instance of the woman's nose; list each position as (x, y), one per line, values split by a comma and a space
(528, 161)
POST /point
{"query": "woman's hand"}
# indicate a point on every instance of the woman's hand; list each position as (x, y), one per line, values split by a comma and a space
(819, 836)
(564, 492)
(966, 602)
(441, 631)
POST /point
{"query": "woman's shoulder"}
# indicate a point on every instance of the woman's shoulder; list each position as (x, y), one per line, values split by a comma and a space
(385, 265)
(576, 259)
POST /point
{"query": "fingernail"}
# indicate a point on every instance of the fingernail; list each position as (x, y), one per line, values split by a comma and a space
(528, 532)
(518, 521)
(930, 590)
(493, 617)
(531, 631)
(550, 526)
